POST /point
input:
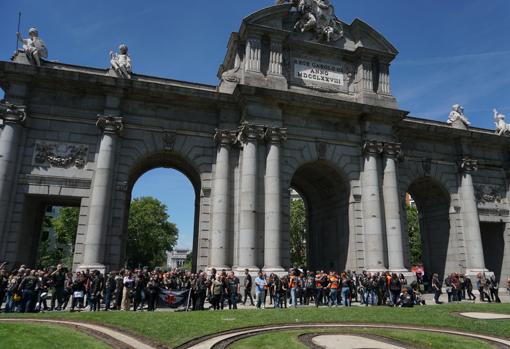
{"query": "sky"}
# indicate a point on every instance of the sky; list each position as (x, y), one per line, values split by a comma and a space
(453, 51)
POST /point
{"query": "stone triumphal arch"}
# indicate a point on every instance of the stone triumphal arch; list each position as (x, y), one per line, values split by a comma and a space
(303, 101)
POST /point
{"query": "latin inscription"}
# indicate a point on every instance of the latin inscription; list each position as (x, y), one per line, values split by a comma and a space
(318, 72)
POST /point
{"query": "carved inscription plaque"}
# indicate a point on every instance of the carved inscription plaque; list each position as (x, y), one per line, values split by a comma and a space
(316, 72)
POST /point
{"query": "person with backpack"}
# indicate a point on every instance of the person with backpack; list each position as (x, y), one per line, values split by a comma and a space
(436, 287)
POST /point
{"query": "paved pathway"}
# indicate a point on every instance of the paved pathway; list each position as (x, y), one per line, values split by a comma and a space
(486, 316)
(335, 341)
(126, 340)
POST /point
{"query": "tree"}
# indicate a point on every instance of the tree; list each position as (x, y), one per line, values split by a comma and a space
(64, 226)
(188, 263)
(150, 234)
(297, 233)
(413, 229)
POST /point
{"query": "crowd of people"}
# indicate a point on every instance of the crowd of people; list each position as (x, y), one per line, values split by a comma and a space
(56, 289)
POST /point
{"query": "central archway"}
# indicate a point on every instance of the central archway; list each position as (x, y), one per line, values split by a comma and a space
(171, 161)
(326, 195)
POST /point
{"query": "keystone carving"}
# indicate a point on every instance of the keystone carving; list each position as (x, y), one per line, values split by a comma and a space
(169, 140)
(61, 155)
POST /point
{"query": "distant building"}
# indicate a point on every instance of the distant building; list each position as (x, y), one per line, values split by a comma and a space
(176, 258)
(410, 200)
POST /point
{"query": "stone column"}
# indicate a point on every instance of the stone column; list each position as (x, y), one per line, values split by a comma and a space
(100, 201)
(475, 261)
(253, 54)
(273, 202)
(275, 58)
(220, 201)
(392, 208)
(13, 118)
(371, 199)
(249, 135)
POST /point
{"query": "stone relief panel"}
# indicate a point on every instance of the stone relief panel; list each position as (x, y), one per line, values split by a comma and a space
(62, 155)
(488, 194)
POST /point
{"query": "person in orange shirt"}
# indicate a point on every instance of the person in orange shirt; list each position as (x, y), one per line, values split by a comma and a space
(333, 289)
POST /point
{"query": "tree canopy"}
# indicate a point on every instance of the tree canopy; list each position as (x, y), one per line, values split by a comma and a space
(64, 226)
(413, 230)
(297, 233)
(150, 233)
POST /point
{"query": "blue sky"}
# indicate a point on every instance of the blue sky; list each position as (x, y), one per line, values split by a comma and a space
(453, 51)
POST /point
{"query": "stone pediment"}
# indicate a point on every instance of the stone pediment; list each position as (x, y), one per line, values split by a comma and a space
(286, 48)
(355, 35)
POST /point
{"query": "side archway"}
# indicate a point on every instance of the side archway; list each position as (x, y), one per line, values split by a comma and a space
(433, 203)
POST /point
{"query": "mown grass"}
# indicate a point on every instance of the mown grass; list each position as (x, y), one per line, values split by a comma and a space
(173, 329)
(290, 340)
(35, 336)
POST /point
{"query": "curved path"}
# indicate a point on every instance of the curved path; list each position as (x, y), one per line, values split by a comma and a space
(219, 341)
(106, 334)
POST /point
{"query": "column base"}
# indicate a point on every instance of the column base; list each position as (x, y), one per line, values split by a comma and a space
(219, 268)
(473, 273)
(276, 270)
(251, 269)
(92, 267)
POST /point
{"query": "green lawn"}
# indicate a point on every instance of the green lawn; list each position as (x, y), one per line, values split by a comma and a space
(290, 340)
(26, 335)
(174, 329)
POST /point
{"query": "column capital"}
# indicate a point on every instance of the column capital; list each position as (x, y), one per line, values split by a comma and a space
(275, 135)
(110, 124)
(225, 137)
(373, 148)
(468, 165)
(11, 113)
(250, 132)
(392, 150)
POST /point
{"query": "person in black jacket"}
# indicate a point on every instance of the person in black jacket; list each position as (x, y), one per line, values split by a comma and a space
(109, 290)
(28, 287)
(152, 291)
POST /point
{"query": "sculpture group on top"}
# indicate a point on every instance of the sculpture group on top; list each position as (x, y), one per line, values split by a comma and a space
(318, 17)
